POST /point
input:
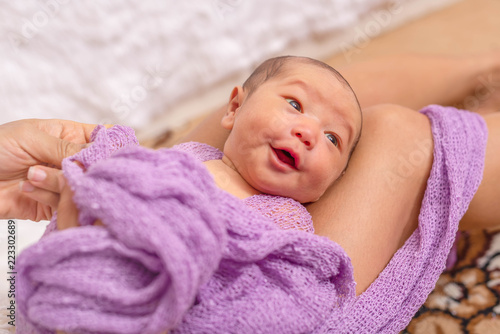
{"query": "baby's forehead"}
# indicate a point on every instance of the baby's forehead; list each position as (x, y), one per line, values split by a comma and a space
(294, 66)
(318, 79)
(321, 76)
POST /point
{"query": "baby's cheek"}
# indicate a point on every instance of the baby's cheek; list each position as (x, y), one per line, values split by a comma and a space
(323, 181)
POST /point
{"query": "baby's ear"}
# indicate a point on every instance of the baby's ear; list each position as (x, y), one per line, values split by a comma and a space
(235, 102)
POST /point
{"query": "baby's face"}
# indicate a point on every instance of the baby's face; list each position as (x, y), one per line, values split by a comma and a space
(292, 136)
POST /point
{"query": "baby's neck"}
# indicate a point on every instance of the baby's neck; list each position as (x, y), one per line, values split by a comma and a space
(229, 180)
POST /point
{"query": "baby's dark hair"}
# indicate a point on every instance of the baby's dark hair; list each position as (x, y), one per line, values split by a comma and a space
(273, 67)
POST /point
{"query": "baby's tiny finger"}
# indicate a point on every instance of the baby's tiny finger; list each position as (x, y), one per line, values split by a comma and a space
(67, 213)
(45, 178)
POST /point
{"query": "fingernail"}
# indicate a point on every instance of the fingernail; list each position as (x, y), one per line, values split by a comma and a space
(36, 174)
(26, 186)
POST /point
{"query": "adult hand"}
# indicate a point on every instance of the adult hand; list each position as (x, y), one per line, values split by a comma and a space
(30, 142)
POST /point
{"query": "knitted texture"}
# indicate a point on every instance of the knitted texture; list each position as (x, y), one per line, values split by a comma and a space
(286, 212)
(179, 254)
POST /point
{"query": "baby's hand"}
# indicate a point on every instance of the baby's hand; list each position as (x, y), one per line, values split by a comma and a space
(49, 188)
(67, 212)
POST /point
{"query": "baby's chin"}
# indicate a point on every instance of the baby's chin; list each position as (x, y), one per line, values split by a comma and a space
(307, 200)
(299, 196)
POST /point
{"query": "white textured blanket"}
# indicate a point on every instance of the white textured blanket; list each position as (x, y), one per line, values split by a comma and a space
(127, 62)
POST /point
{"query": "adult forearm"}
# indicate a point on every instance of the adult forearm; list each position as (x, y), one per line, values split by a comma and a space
(415, 80)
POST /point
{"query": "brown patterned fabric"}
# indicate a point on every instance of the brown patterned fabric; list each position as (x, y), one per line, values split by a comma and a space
(466, 297)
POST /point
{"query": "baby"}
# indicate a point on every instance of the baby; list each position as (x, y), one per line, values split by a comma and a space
(179, 254)
(294, 125)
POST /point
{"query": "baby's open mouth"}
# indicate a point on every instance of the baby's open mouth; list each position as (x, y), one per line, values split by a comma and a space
(286, 157)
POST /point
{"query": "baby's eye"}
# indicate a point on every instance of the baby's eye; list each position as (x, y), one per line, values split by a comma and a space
(333, 139)
(294, 104)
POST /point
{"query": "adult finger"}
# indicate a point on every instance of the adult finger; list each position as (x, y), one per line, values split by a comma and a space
(46, 178)
(42, 196)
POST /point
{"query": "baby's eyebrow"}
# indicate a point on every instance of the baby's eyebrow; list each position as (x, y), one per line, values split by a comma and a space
(305, 87)
(300, 83)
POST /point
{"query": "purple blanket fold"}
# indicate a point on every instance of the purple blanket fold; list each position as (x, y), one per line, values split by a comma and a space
(179, 254)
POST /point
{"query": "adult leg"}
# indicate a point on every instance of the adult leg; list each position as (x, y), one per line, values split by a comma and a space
(374, 208)
(484, 210)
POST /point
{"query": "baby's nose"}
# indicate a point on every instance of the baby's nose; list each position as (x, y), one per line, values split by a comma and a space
(305, 141)
(306, 130)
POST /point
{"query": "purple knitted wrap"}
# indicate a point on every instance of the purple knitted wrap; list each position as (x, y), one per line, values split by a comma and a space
(179, 254)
